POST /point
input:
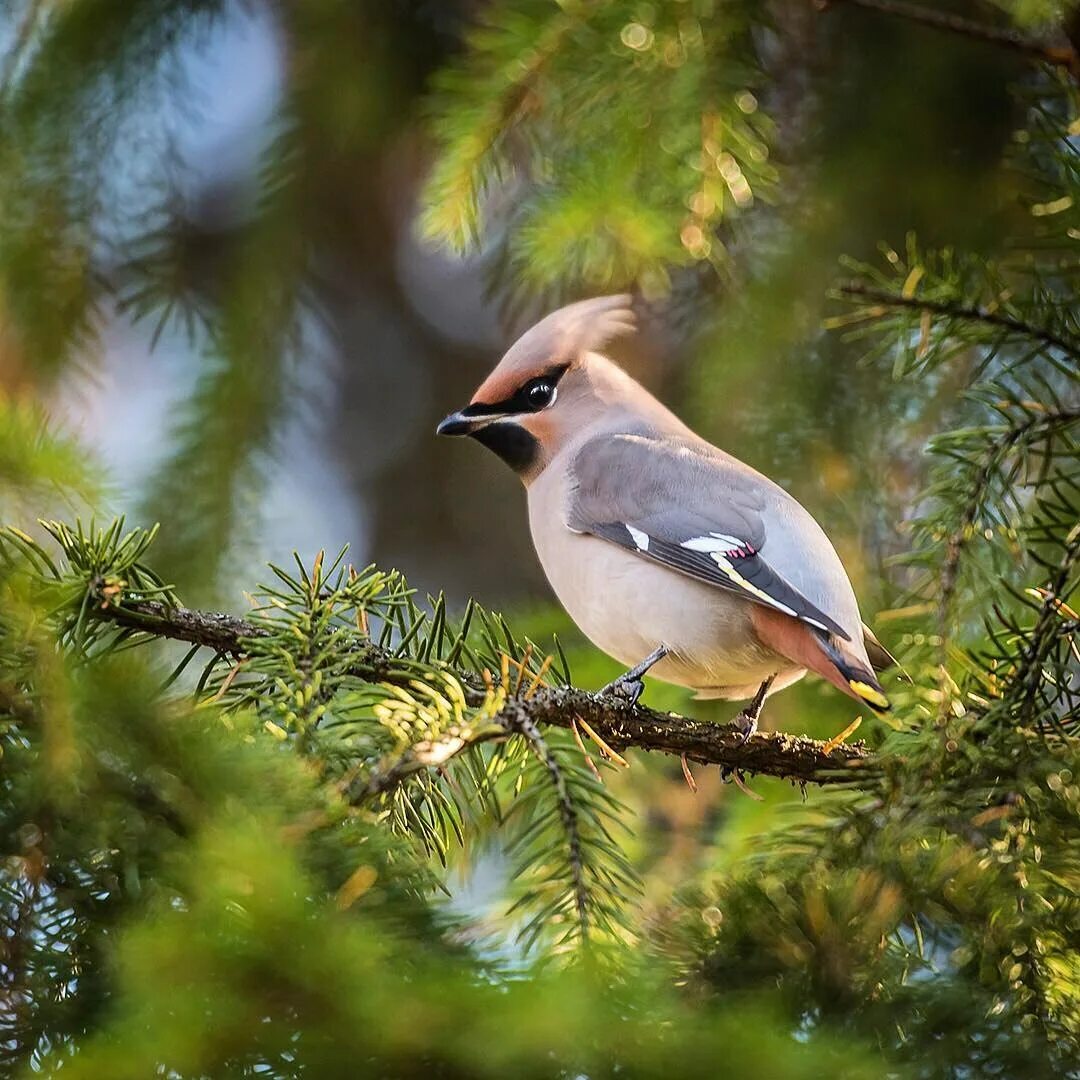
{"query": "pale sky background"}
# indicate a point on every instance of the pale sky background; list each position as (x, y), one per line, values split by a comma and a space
(124, 408)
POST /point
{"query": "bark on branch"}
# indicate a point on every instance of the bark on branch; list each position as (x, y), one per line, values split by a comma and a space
(767, 753)
(621, 725)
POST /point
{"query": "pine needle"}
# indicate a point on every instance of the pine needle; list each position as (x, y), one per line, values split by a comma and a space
(741, 785)
(688, 776)
(844, 735)
(611, 755)
(585, 753)
(538, 678)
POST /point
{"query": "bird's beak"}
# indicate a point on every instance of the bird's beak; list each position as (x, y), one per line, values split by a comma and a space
(457, 423)
(470, 419)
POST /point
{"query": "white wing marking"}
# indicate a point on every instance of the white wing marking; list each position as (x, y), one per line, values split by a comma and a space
(640, 539)
(713, 542)
(716, 546)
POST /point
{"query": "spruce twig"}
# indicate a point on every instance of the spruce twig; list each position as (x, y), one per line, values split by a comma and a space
(526, 726)
(788, 757)
(960, 312)
(998, 449)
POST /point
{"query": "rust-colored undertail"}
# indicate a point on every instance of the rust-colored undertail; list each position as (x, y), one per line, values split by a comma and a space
(824, 654)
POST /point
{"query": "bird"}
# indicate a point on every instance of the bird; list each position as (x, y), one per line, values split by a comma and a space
(671, 555)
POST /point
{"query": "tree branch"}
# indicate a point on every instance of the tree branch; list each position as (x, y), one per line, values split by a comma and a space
(857, 290)
(223, 633)
(999, 449)
(1029, 674)
(622, 726)
(427, 754)
(1044, 52)
(525, 725)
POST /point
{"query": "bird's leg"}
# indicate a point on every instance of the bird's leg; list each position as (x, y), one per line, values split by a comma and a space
(629, 685)
(747, 720)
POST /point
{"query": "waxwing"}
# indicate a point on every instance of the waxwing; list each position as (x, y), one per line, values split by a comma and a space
(671, 555)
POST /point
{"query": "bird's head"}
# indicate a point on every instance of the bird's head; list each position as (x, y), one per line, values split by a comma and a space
(551, 384)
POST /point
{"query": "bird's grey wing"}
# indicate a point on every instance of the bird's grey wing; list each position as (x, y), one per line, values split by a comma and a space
(665, 500)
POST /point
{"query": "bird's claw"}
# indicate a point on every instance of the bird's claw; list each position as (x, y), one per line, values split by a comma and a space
(746, 724)
(628, 690)
(629, 686)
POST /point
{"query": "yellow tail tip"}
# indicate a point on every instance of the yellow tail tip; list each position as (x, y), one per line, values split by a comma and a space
(870, 694)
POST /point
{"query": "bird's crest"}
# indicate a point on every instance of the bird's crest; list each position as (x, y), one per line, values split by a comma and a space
(561, 339)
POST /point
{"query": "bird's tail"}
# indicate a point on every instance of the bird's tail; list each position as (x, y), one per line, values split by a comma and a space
(858, 678)
(823, 653)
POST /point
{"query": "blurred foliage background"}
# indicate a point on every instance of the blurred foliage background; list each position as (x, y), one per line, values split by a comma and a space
(250, 252)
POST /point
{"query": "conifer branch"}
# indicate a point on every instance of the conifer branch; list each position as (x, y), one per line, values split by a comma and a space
(525, 725)
(1029, 675)
(1041, 51)
(960, 312)
(766, 753)
(622, 726)
(225, 634)
(1040, 425)
(428, 754)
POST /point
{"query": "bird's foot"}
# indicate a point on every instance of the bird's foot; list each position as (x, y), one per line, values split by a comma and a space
(627, 689)
(629, 685)
(746, 723)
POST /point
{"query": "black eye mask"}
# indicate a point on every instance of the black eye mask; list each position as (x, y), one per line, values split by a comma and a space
(536, 394)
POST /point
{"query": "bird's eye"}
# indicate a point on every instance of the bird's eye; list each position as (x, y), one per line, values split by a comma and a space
(540, 395)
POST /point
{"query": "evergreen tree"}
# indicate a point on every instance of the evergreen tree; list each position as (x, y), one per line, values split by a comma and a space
(228, 840)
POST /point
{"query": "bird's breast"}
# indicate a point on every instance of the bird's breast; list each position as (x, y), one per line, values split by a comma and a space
(627, 605)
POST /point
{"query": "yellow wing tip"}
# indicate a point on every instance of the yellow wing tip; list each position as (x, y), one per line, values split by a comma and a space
(870, 694)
